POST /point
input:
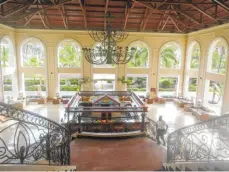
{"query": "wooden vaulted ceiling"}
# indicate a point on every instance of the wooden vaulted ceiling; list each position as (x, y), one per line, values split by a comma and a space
(180, 16)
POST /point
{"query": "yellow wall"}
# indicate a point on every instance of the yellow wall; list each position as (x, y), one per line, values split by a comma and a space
(154, 41)
(51, 39)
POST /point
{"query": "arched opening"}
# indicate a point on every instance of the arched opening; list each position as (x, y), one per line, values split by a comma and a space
(33, 53)
(217, 57)
(8, 66)
(215, 77)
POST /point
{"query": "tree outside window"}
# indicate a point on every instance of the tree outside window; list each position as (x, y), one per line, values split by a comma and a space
(138, 84)
(192, 85)
(4, 56)
(219, 60)
(195, 57)
(141, 56)
(69, 55)
(170, 57)
(33, 53)
(34, 85)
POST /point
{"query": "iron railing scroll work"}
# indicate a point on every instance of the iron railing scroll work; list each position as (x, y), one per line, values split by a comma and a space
(203, 142)
(28, 138)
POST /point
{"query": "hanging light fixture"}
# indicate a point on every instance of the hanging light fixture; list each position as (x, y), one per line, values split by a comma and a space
(107, 52)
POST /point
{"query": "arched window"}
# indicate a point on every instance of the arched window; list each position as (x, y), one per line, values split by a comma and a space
(33, 53)
(141, 55)
(7, 52)
(170, 56)
(217, 58)
(69, 54)
(193, 60)
(8, 66)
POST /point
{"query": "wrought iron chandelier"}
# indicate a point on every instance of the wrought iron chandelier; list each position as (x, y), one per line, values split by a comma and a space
(108, 52)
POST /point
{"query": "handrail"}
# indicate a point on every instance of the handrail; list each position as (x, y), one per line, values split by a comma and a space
(34, 138)
(203, 142)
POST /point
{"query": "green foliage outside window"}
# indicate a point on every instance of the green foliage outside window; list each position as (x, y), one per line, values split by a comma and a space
(69, 56)
(219, 60)
(4, 56)
(167, 84)
(140, 58)
(34, 62)
(192, 84)
(138, 84)
(169, 57)
(195, 57)
(34, 83)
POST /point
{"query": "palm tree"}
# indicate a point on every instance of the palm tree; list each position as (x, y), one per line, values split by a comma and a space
(168, 57)
(140, 58)
(69, 57)
(34, 62)
(4, 56)
(218, 62)
(195, 57)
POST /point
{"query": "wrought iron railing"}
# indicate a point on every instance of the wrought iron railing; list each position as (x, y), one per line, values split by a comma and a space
(203, 142)
(28, 138)
(150, 128)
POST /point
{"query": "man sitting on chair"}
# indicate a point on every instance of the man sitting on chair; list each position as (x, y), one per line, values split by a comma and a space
(162, 128)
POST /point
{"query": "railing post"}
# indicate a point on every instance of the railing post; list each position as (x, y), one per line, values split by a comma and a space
(48, 145)
(143, 122)
(79, 121)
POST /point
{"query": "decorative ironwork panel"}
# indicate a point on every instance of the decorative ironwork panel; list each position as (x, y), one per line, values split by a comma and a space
(27, 138)
(205, 141)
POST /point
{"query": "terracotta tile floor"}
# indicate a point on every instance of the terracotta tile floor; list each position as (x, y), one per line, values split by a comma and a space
(138, 153)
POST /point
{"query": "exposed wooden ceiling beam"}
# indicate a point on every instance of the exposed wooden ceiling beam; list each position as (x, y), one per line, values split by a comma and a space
(65, 15)
(202, 11)
(154, 9)
(143, 18)
(84, 14)
(28, 20)
(43, 9)
(127, 14)
(17, 10)
(149, 14)
(178, 29)
(221, 4)
(61, 13)
(188, 16)
(42, 20)
(165, 23)
(105, 12)
(106, 6)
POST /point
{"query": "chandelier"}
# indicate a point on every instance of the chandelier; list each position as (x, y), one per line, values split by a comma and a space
(107, 51)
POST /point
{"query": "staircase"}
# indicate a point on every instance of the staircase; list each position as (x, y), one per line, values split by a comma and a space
(27, 138)
(203, 146)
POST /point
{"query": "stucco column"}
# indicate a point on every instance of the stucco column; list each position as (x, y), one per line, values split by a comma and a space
(202, 73)
(87, 72)
(153, 65)
(51, 71)
(120, 71)
(225, 106)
